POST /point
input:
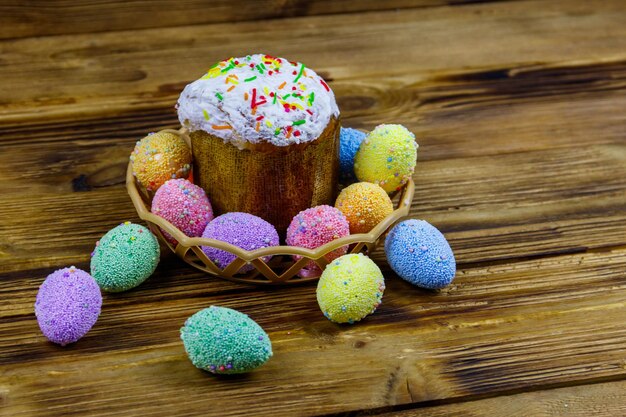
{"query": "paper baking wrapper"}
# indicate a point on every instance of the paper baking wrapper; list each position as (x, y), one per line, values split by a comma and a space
(272, 182)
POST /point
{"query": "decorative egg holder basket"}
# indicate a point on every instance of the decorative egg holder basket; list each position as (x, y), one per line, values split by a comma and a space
(283, 267)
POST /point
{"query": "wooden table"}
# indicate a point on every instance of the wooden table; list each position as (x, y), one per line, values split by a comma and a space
(519, 110)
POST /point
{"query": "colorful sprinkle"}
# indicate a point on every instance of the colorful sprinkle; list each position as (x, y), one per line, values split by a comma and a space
(299, 74)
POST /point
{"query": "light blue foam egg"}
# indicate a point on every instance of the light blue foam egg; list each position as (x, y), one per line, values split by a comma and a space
(420, 254)
(349, 143)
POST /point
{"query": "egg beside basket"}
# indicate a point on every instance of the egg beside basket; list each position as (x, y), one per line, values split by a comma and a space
(283, 267)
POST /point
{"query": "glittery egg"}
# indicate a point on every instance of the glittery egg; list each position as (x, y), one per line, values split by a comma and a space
(420, 254)
(244, 230)
(365, 205)
(159, 157)
(349, 143)
(183, 204)
(387, 157)
(314, 227)
(68, 305)
(224, 341)
(350, 288)
(124, 257)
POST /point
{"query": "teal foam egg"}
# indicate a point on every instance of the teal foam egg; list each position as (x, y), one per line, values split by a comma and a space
(124, 257)
(224, 341)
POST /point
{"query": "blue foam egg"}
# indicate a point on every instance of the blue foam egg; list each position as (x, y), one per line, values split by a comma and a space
(349, 143)
(420, 254)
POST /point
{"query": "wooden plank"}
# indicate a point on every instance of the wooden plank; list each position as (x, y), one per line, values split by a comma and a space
(499, 328)
(601, 400)
(82, 75)
(40, 18)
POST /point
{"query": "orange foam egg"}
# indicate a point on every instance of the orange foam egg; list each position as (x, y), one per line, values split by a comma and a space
(160, 157)
(365, 205)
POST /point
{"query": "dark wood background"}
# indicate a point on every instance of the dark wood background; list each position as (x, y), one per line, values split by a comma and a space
(519, 109)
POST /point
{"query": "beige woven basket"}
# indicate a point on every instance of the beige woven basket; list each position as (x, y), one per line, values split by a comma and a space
(282, 268)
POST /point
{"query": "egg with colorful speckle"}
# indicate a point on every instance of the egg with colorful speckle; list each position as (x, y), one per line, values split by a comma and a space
(350, 288)
(387, 157)
(183, 204)
(244, 230)
(224, 341)
(314, 227)
(159, 157)
(365, 205)
(124, 257)
(420, 254)
(68, 305)
(349, 144)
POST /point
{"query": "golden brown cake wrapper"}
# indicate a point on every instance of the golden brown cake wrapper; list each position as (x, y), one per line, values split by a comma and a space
(272, 182)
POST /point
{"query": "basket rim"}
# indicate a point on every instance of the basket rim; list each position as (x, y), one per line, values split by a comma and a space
(407, 192)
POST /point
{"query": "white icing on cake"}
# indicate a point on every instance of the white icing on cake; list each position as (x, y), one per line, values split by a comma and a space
(258, 99)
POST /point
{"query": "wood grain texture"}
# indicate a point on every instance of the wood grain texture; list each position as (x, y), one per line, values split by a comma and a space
(19, 18)
(499, 328)
(601, 400)
(518, 109)
(109, 73)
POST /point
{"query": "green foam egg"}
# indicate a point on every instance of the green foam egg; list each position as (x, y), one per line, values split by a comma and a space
(224, 341)
(124, 257)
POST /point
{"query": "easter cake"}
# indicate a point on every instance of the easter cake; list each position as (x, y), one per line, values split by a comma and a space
(261, 202)
(265, 137)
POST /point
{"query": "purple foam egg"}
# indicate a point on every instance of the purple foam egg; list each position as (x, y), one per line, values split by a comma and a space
(68, 305)
(244, 230)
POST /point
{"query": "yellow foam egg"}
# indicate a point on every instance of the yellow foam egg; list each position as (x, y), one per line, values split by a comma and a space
(365, 205)
(387, 157)
(350, 288)
(160, 157)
